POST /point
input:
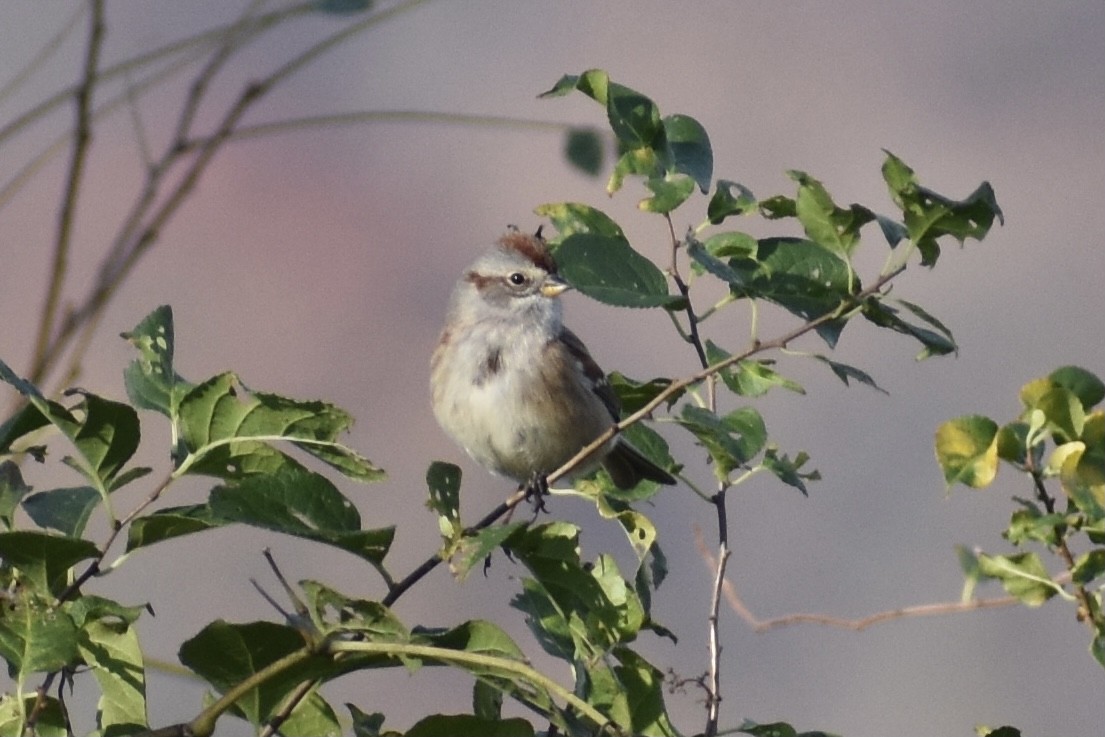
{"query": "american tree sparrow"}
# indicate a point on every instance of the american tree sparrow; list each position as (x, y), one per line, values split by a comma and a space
(512, 385)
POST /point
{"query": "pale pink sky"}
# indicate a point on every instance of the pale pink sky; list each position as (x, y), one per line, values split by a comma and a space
(318, 264)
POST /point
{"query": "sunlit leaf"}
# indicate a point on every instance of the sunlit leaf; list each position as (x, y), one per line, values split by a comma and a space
(34, 638)
(12, 491)
(1023, 576)
(112, 652)
(44, 559)
(668, 193)
(967, 451)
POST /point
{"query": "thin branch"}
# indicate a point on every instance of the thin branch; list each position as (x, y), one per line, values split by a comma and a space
(47, 50)
(858, 625)
(82, 135)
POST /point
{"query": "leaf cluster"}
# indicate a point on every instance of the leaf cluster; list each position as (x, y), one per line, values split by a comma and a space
(1057, 439)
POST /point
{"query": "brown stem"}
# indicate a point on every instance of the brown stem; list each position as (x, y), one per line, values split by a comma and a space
(82, 135)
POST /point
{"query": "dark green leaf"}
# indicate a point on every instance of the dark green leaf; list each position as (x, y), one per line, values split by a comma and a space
(443, 481)
(725, 203)
(1085, 385)
(775, 729)
(845, 373)
(935, 343)
(609, 270)
(342, 7)
(108, 435)
(467, 725)
(892, 230)
(12, 490)
(365, 725)
(24, 422)
(303, 504)
(789, 471)
(634, 118)
(689, 149)
(634, 395)
(701, 256)
(90, 608)
(1088, 567)
(226, 654)
(583, 148)
(151, 380)
(45, 559)
(801, 276)
(165, 524)
(929, 215)
(65, 510)
(777, 207)
(487, 701)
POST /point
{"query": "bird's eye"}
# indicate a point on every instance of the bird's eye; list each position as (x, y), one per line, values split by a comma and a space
(517, 278)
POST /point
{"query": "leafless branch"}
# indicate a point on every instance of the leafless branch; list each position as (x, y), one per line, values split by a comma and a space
(82, 135)
(921, 610)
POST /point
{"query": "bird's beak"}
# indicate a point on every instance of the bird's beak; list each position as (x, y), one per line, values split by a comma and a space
(554, 286)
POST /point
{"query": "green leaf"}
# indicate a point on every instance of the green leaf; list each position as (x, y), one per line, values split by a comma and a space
(39, 412)
(1022, 575)
(634, 118)
(824, 222)
(364, 724)
(583, 148)
(334, 613)
(707, 261)
(634, 395)
(1081, 383)
(789, 471)
(778, 207)
(1064, 414)
(468, 725)
(592, 83)
(689, 149)
(936, 342)
(107, 436)
(225, 654)
(487, 701)
(112, 652)
(471, 550)
(343, 7)
(573, 612)
(65, 510)
(725, 203)
(967, 450)
(171, 522)
(929, 216)
(1088, 567)
(801, 276)
(609, 270)
(53, 720)
(749, 378)
(668, 192)
(732, 244)
(731, 440)
(775, 729)
(151, 380)
(570, 218)
(1030, 525)
(312, 717)
(443, 480)
(43, 558)
(12, 491)
(1083, 479)
(303, 504)
(226, 431)
(35, 638)
(844, 372)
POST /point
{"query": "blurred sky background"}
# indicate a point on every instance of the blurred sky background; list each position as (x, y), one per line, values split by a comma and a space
(317, 263)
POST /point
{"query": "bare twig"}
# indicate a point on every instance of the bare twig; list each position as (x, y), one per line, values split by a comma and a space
(921, 610)
(82, 134)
